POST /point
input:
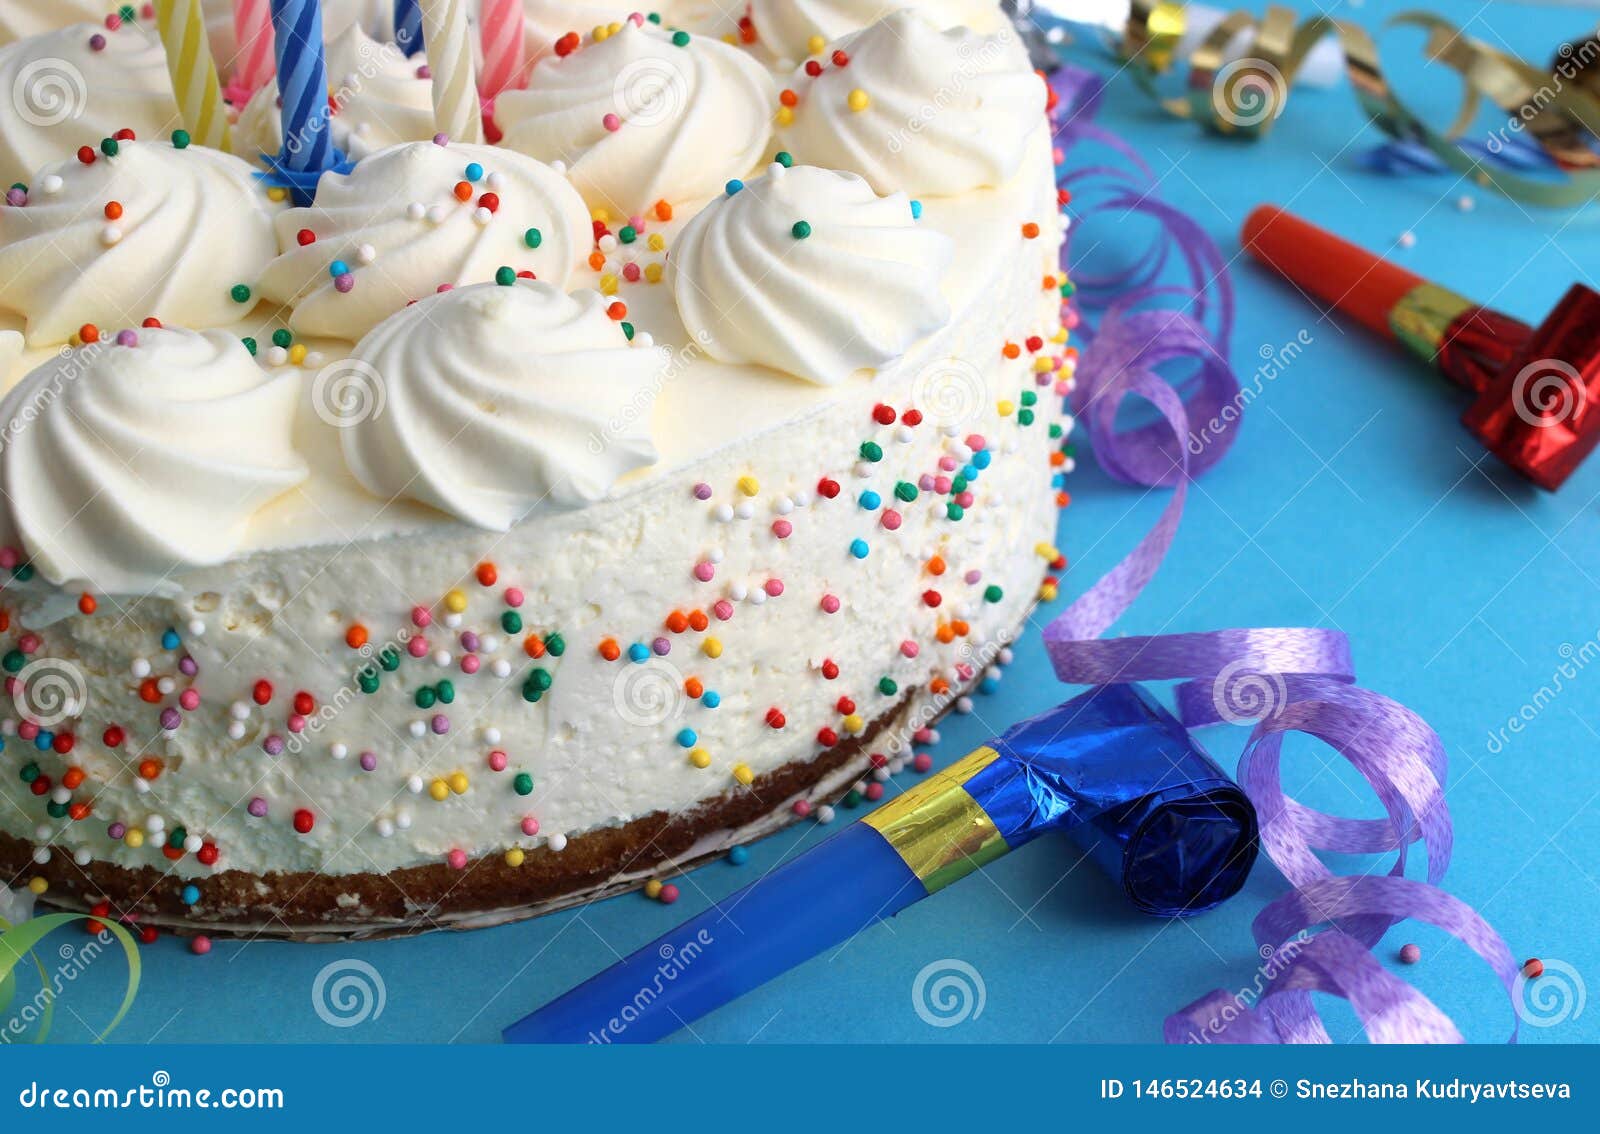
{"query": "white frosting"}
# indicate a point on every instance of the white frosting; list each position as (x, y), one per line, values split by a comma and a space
(64, 94)
(855, 292)
(545, 21)
(258, 130)
(396, 223)
(491, 402)
(194, 223)
(126, 464)
(381, 100)
(21, 18)
(945, 112)
(688, 118)
(786, 28)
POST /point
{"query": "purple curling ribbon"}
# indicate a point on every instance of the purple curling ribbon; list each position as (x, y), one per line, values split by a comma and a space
(1281, 679)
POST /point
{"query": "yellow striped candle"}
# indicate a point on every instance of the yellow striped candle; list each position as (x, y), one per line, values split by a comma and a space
(194, 72)
(456, 110)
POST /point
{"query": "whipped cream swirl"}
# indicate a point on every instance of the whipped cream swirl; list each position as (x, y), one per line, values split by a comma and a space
(791, 30)
(66, 94)
(942, 112)
(189, 225)
(640, 117)
(379, 95)
(124, 464)
(808, 271)
(397, 226)
(21, 18)
(494, 401)
(545, 21)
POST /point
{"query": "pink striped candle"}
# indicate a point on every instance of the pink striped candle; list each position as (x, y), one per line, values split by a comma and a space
(504, 49)
(255, 63)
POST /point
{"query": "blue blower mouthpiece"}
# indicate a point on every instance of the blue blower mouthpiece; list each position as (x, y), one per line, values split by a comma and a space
(1111, 768)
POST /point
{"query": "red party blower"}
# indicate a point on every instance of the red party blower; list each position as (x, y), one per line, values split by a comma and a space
(1537, 389)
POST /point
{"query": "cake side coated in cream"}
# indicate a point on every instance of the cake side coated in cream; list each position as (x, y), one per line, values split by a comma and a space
(742, 567)
(608, 739)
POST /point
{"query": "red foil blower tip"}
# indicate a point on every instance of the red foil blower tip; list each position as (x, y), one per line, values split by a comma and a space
(1536, 390)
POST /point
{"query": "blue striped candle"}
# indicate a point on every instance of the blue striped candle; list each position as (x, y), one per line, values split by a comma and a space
(303, 85)
(408, 26)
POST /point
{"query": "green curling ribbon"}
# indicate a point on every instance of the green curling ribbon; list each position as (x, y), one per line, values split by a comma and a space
(17, 943)
(1557, 107)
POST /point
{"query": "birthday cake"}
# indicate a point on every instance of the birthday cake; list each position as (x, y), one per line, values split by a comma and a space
(519, 522)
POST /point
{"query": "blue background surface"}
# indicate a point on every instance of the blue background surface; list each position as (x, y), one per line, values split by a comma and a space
(1352, 500)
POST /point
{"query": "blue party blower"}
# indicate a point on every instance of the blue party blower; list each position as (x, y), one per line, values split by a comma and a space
(1111, 768)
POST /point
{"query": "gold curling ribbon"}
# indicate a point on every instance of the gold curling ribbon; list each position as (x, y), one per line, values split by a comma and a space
(940, 831)
(1153, 32)
(1423, 316)
(1558, 107)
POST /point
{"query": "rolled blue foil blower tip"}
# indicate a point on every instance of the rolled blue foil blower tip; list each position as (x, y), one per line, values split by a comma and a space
(1111, 768)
